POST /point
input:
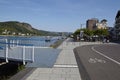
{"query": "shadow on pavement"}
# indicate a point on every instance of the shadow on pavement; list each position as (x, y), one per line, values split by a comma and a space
(82, 70)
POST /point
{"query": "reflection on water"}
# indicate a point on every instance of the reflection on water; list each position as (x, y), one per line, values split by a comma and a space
(27, 41)
(43, 57)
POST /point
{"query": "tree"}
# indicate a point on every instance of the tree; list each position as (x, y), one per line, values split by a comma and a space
(100, 32)
(103, 21)
(77, 32)
(88, 32)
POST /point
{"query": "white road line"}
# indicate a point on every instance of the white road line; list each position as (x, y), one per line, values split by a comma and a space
(105, 56)
(66, 66)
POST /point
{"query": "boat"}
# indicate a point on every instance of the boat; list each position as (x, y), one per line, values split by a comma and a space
(48, 39)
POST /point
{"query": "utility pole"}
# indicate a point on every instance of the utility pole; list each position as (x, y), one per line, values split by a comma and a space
(81, 32)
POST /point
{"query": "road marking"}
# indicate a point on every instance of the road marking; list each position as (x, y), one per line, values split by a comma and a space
(100, 60)
(96, 60)
(91, 60)
(105, 56)
(66, 66)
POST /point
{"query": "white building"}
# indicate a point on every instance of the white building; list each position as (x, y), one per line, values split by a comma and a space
(102, 24)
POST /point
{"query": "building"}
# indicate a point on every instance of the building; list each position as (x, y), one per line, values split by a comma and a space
(102, 24)
(91, 24)
(117, 25)
(94, 24)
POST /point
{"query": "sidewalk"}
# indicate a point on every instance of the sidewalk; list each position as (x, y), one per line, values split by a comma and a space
(65, 67)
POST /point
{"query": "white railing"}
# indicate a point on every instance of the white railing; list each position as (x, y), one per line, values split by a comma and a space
(22, 53)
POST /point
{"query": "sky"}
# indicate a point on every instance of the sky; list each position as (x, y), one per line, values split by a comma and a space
(58, 15)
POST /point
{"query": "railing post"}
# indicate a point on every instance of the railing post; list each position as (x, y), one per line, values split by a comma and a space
(33, 52)
(13, 43)
(17, 42)
(6, 51)
(23, 55)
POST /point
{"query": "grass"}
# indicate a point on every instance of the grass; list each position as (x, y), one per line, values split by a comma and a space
(57, 43)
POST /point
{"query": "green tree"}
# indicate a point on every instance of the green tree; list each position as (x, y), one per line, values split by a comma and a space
(88, 32)
(77, 32)
(104, 20)
(101, 32)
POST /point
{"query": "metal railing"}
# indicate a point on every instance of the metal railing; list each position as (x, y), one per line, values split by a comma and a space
(11, 51)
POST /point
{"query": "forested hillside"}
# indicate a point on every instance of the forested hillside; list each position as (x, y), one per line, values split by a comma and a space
(18, 28)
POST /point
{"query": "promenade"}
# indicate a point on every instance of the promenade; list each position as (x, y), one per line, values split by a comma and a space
(65, 67)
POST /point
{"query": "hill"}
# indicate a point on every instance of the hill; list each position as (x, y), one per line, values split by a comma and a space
(18, 28)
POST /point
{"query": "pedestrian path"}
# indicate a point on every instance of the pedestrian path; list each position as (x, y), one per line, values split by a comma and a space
(65, 67)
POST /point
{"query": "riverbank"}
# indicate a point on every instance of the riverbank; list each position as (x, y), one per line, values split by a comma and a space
(57, 43)
(16, 70)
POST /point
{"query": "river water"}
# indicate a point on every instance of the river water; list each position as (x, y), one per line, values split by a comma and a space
(27, 41)
(43, 57)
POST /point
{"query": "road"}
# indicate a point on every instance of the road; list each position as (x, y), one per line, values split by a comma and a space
(99, 62)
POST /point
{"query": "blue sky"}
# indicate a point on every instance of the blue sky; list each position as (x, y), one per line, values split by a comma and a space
(58, 15)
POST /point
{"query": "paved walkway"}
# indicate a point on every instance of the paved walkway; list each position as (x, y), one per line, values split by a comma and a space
(65, 68)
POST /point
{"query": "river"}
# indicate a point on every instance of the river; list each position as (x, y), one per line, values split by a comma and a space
(27, 41)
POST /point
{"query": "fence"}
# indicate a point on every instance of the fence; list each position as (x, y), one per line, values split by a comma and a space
(11, 51)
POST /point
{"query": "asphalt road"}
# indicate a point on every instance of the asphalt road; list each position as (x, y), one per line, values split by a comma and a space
(99, 62)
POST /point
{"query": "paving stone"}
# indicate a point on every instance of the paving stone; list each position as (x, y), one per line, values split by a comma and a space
(66, 58)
